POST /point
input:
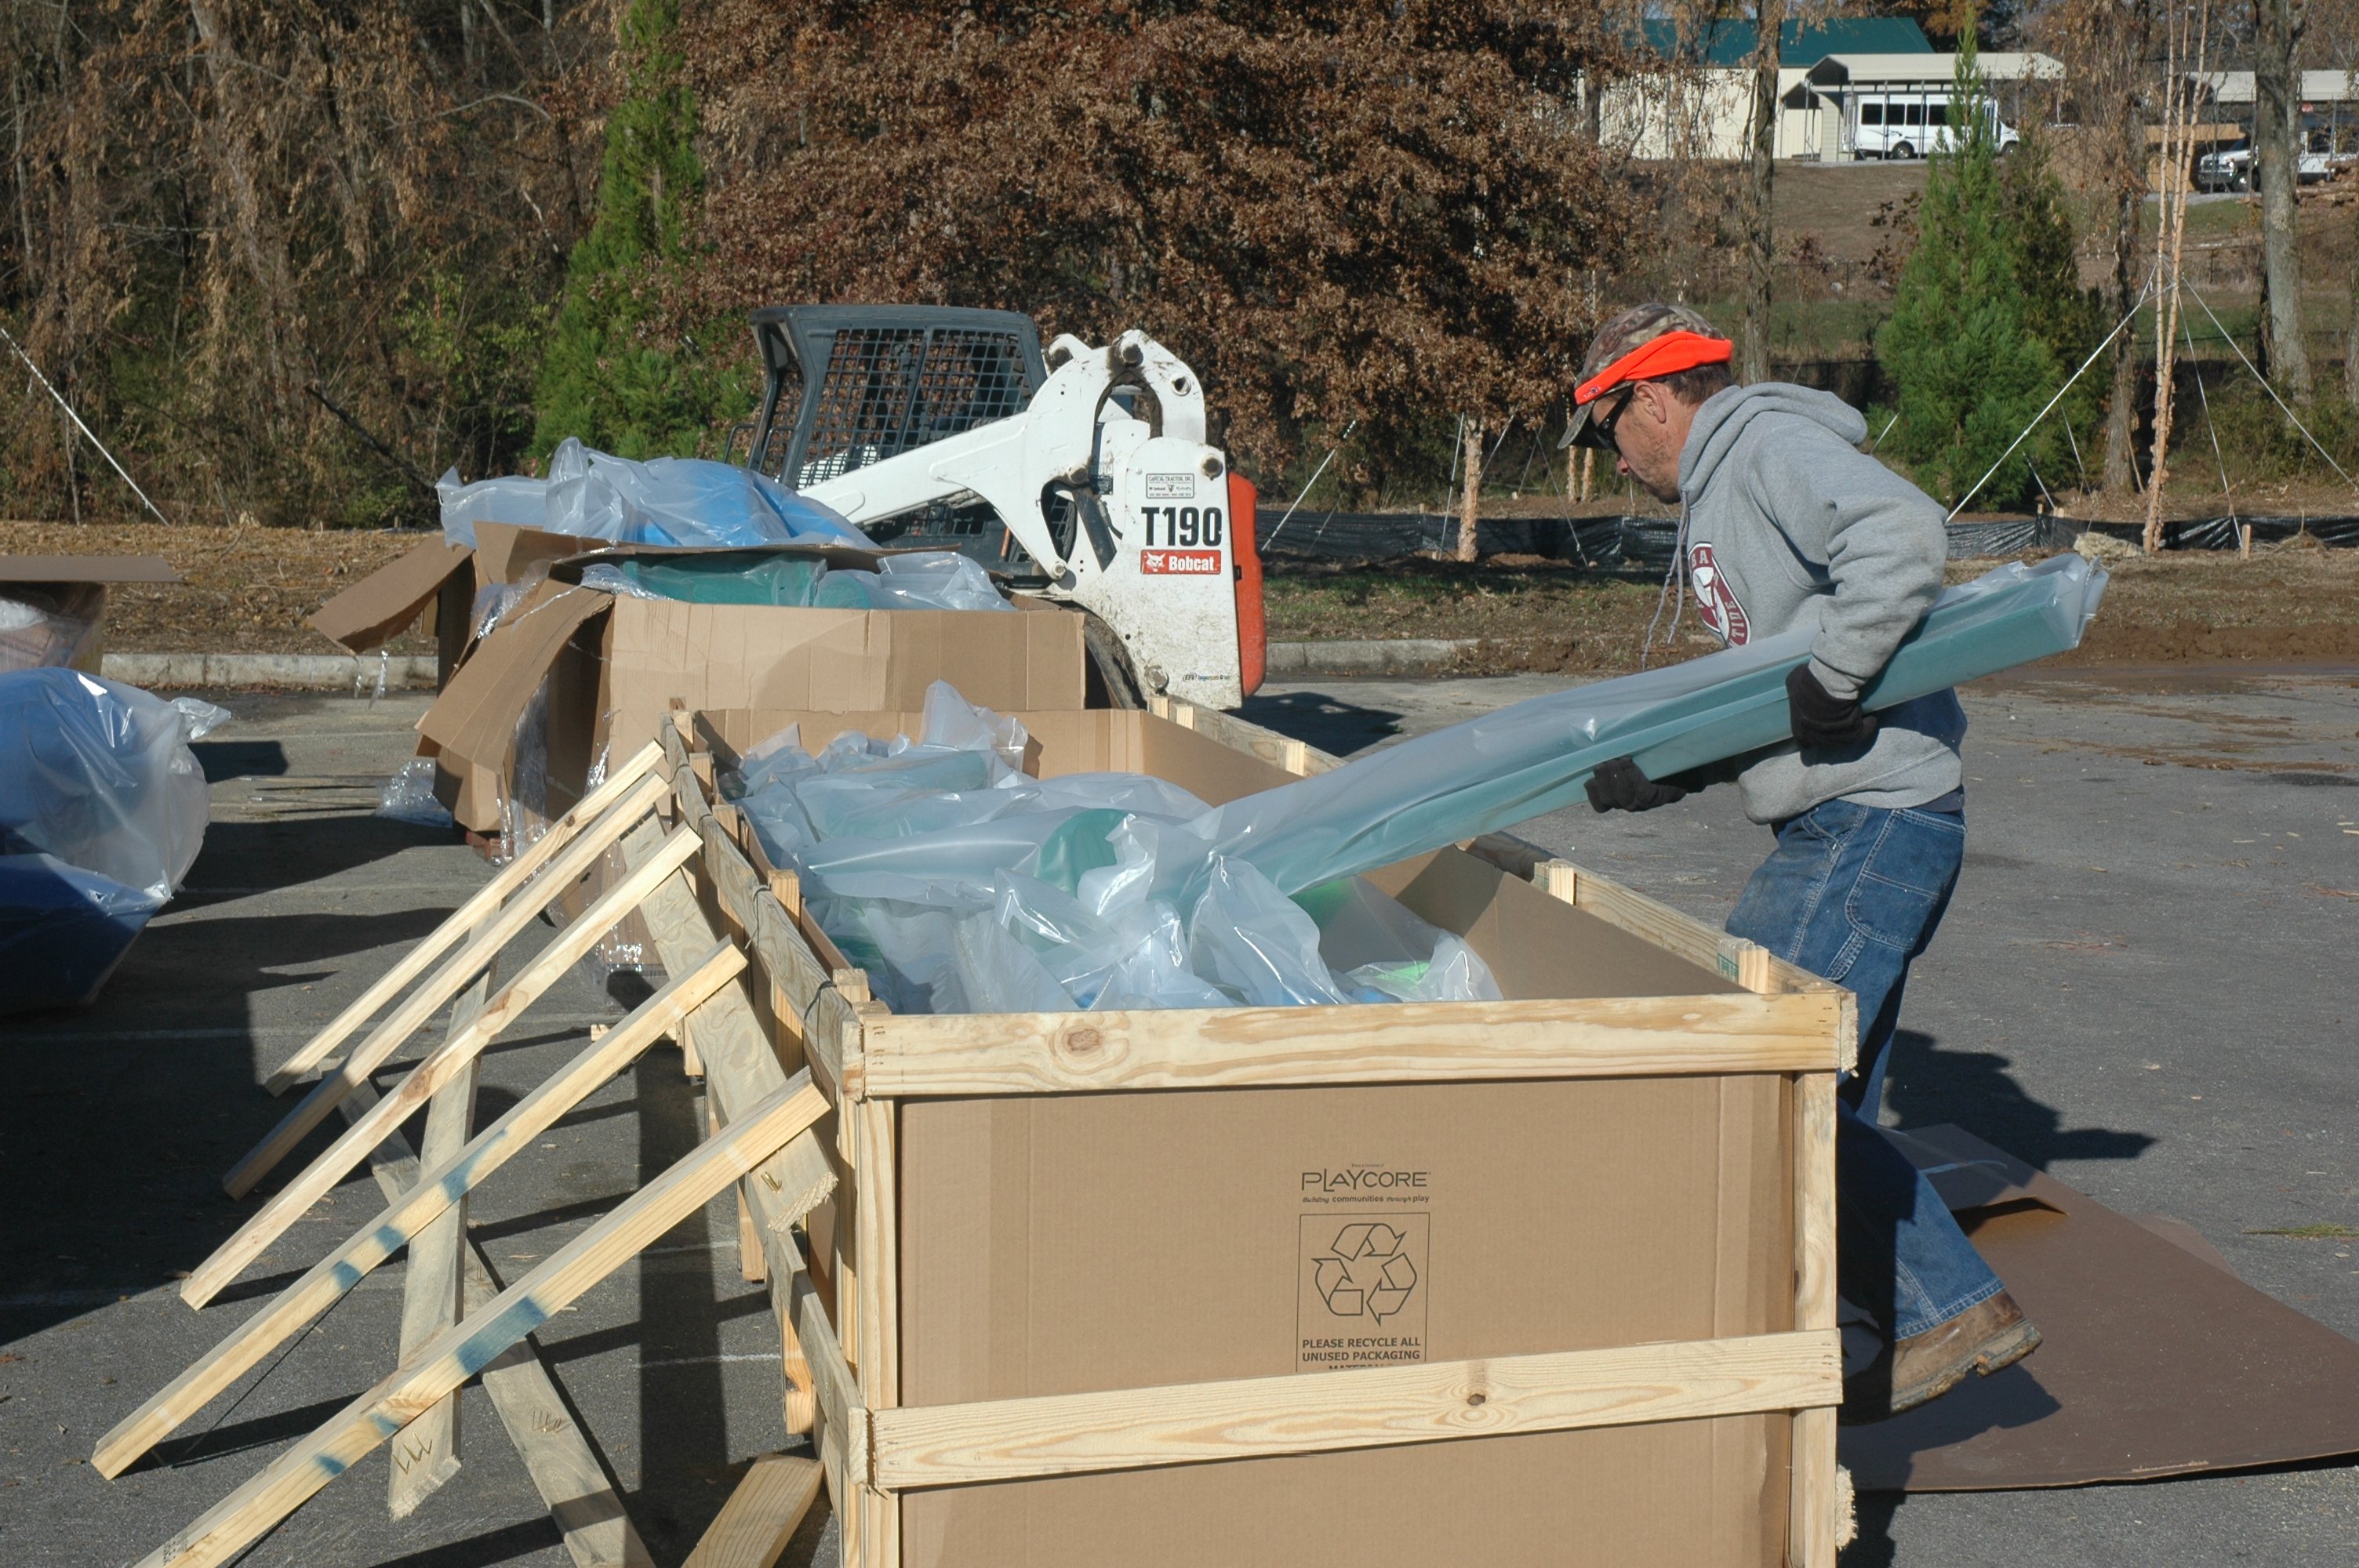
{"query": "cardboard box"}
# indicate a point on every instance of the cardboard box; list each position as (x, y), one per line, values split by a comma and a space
(1316, 1283)
(608, 669)
(53, 608)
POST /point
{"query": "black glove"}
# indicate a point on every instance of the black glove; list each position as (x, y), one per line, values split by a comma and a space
(1618, 786)
(1823, 722)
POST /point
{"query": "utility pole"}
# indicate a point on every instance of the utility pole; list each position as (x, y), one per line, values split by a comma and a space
(2277, 113)
(1760, 231)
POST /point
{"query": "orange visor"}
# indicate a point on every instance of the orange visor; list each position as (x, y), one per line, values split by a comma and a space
(1667, 355)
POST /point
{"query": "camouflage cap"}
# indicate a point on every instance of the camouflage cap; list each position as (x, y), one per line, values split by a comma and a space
(1633, 329)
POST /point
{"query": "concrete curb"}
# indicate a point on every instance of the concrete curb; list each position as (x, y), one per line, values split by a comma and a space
(1375, 656)
(309, 672)
(345, 672)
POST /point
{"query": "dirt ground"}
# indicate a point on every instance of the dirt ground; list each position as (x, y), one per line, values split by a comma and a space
(246, 589)
(2289, 604)
(248, 592)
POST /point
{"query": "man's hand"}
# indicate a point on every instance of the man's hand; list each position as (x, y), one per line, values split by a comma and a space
(1618, 786)
(1823, 722)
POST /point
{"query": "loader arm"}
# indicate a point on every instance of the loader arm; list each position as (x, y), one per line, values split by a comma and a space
(1104, 479)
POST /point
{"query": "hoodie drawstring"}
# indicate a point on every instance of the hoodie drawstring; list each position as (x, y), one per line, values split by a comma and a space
(1674, 576)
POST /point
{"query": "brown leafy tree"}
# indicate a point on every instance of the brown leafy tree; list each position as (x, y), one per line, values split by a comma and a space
(1334, 210)
(255, 242)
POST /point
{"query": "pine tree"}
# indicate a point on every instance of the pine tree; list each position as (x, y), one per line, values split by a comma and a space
(1969, 370)
(604, 377)
(2057, 310)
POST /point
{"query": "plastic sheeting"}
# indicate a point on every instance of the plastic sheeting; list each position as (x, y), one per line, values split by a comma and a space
(102, 810)
(1043, 907)
(1506, 767)
(665, 500)
(933, 580)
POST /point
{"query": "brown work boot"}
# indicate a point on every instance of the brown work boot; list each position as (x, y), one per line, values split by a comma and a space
(1984, 1338)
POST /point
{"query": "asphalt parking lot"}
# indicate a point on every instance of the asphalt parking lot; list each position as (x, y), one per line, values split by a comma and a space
(2143, 987)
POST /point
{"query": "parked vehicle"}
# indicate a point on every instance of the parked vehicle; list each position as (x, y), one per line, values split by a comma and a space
(1913, 124)
(2232, 169)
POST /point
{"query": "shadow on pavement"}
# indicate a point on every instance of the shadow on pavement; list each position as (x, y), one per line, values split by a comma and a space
(1928, 1086)
(1329, 722)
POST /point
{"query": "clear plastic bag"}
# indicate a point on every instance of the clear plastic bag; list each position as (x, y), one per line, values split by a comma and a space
(927, 579)
(62, 931)
(1380, 945)
(665, 500)
(100, 775)
(408, 795)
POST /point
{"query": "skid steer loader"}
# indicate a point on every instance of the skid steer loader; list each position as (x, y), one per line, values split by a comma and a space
(1082, 474)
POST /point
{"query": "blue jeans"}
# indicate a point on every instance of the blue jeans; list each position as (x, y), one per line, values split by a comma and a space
(1852, 893)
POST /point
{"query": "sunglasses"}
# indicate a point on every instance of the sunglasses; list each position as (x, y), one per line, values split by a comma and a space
(1599, 432)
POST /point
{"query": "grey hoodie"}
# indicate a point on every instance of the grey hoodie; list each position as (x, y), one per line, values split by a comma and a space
(1785, 522)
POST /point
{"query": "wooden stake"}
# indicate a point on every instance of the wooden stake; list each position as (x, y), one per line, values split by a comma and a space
(512, 877)
(428, 1454)
(288, 1482)
(565, 1469)
(471, 960)
(417, 1204)
(761, 1516)
(290, 1204)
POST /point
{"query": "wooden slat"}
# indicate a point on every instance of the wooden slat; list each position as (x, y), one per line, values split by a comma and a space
(1812, 1508)
(761, 1516)
(446, 982)
(1313, 1412)
(1394, 1043)
(876, 1217)
(565, 1469)
(233, 1523)
(1244, 735)
(431, 1297)
(833, 1043)
(317, 1179)
(413, 1208)
(511, 877)
(1734, 958)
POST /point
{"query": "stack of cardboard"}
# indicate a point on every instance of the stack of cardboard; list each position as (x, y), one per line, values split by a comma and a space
(593, 673)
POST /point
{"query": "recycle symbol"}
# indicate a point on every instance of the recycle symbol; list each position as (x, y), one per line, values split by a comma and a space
(1365, 1273)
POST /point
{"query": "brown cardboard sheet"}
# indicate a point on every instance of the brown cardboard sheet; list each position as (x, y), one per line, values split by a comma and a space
(379, 607)
(1057, 1244)
(506, 553)
(86, 569)
(756, 656)
(474, 718)
(2155, 1360)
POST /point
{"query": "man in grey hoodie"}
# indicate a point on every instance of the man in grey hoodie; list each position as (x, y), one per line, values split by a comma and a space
(1784, 522)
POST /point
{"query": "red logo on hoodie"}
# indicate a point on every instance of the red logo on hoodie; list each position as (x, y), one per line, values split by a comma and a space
(1715, 600)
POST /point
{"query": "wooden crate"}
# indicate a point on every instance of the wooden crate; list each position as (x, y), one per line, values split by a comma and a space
(869, 1327)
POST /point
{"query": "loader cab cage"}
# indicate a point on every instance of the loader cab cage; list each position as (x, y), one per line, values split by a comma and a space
(848, 385)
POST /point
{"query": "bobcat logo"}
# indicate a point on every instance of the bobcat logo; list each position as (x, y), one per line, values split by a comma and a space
(1715, 601)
